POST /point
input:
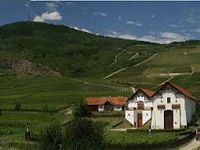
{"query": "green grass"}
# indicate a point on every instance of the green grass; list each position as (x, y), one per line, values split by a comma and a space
(109, 121)
(124, 138)
(35, 93)
(26, 116)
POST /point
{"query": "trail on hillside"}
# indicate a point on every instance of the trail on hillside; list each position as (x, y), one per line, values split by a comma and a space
(116, 56)
(113, 73)
(146, 60)
(132, 57)
(163, 82)
(122, 69)
(169, 74)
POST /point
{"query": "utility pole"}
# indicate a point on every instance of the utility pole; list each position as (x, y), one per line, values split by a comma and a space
(28, 5)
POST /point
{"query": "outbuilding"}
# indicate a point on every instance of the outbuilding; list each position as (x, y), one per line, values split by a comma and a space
(173, 107)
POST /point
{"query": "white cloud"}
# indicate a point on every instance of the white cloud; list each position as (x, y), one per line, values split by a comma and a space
(80, 29)
(54, 15)
(38, 19)
(133, 23)
(101, 14)
(172, 36)
(51, 6)
(162, 38)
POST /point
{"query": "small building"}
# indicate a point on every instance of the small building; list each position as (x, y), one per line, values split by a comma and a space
(106, 103)
(173, 107)
(139, 107)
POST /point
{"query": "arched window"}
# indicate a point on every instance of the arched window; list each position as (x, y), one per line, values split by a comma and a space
(140, 105)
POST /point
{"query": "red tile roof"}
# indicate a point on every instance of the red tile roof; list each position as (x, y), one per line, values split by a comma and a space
(148, 92)
(182, 90)
(179, 89)
(120, 101)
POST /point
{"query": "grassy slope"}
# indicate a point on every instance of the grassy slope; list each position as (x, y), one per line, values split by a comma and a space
(183, 58)
(69, 51)
(35, 93)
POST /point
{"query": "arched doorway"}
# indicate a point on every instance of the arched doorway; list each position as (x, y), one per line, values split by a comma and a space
(168, 119)
(140, 105)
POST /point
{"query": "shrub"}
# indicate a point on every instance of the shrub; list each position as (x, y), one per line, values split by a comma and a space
(81, 110)
(51, 137)
(83, 134)
(17, 106)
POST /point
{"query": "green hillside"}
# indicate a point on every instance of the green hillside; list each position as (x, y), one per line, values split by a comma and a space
(71, 52)
(87, 65)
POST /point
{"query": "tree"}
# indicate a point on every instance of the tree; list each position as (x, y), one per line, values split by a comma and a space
(83, 134)
(81, 110)
(17, 106)
(51, 137)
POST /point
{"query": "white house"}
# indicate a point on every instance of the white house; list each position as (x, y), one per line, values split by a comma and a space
(139, 107)
(173, 107)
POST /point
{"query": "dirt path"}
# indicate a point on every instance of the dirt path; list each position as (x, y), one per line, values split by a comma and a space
(192, 145)
(116, 72)
(136, 65)
(134, 56)
(116, 56)
(146, 60)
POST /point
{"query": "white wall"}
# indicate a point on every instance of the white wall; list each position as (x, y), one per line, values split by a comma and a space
(140, 97)
(130, 116)
(179, 115)
(117, 108)
(101, 108)
(146, 116)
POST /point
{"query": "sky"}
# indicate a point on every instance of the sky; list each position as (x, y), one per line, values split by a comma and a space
(158, 21)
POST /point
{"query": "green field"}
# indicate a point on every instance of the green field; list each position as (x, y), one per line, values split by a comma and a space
(35, 93)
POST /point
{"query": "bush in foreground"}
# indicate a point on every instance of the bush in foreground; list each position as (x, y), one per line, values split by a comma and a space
(51, 137)
(83, 134)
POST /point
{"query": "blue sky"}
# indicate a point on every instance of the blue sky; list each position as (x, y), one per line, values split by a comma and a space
(161, 22)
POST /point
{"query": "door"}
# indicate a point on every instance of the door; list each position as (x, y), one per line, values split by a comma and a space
(168, 119)
(139, 120)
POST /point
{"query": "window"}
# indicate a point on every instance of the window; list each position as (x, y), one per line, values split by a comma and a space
(168, 100)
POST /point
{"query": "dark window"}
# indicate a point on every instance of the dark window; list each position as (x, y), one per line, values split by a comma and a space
(168, 100)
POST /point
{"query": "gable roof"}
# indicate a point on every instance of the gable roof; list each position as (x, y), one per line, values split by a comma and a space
(120, 101)
(179, 89)
(148, 93)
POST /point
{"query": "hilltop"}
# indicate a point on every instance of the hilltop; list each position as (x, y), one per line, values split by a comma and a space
(66, 50)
